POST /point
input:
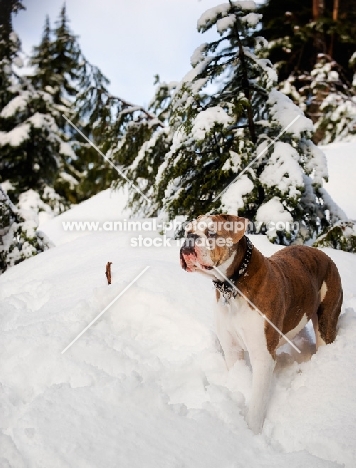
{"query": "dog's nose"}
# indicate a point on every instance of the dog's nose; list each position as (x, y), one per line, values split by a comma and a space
(189, 243)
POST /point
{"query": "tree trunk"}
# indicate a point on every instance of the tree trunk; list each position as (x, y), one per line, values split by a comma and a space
(319, 38)
(335, 18)
(318, 9)
(336, 10)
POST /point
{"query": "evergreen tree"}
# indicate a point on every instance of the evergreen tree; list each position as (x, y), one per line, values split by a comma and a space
(7, 9)
(311, 43)
(143, 146)
(19, 238)
(41, 61)
(298, 31)
(32, 145)
(9, 51)
(118, 128)
(331, 102)
(80, 92)
(113, 124)
(56, 63)
(217, 134)
(94, 116)
(341, 236)
(31, 148)
(327, 98)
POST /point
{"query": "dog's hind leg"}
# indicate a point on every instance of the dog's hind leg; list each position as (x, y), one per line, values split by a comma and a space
(326, 317)
(318, 339)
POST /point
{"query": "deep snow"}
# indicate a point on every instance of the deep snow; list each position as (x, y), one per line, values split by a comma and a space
(146, 386)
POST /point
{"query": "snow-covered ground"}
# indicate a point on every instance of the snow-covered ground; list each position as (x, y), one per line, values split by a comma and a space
(146, 385)
(106, 206)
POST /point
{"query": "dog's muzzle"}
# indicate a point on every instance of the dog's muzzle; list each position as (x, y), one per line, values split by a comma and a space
(188, 254)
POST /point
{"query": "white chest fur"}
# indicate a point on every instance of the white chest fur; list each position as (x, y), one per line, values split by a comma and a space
(243, 325)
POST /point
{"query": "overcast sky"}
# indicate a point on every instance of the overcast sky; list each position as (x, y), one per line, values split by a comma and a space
(130, 40)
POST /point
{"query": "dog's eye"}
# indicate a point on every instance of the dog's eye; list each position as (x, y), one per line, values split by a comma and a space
(188, 228)
(212, 233)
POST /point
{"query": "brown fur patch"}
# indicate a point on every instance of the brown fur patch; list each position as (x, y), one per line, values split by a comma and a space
(286, 286)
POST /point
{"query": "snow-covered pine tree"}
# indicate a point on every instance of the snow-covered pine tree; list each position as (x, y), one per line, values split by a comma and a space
(93, 116)
(19, 238)
(331, 102)
(41, 61)
(80, 92)
(56, 64)
(28, 158)
(327, 97)
(32, 145)
(144, 141)
(341, 236)
(106, 120)
(9, 51)
(298, 32)
(226, 112)
(310, 45)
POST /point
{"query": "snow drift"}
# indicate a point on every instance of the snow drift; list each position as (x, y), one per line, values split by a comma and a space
(146, 385)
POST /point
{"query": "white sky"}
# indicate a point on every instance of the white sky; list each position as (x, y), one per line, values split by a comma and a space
(130, 40)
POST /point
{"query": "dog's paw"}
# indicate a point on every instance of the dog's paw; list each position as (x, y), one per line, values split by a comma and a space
(254, 422)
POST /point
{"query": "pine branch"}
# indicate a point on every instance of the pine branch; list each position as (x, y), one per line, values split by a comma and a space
(135, 108)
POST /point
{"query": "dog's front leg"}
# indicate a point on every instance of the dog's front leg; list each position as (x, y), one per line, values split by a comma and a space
(262, 368)
(231, 347)
(229, 342)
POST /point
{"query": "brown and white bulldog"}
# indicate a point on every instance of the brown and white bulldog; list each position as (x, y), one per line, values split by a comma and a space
(274, 297)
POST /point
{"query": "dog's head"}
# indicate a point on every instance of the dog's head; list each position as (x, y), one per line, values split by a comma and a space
(210, 241)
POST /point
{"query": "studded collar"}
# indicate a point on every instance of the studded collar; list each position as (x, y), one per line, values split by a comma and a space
(225, 287)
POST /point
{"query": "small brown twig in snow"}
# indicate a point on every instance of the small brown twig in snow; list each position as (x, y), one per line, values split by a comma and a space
(108, 272)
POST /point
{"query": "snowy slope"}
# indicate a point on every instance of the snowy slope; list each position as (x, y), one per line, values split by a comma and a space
(341, 159)
(108, 205)
(146, 386)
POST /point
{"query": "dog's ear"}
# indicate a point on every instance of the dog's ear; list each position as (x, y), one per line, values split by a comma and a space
(235, 226)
